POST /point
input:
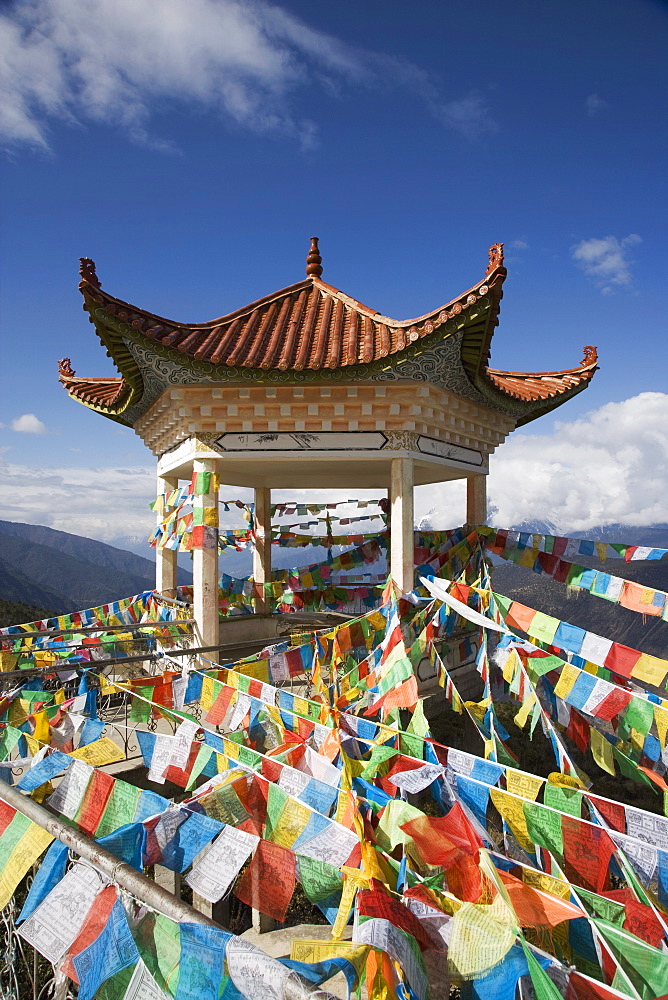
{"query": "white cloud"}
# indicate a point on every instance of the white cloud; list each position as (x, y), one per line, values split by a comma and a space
(28, 423)
(98, 503)
(117, 61)
(469, 115)
(609, 466)
(518, 245)
(113, 502)
(594, 104)
(605, 260)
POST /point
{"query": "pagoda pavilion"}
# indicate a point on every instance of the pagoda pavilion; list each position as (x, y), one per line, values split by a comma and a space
(308, 388)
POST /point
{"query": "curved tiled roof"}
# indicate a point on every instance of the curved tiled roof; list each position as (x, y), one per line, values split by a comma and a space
(309, 325)
(101, 393)
(544, 385)
(313, 327)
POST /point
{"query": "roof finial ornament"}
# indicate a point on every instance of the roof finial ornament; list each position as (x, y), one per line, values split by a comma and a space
(590, 356)
(314, 260)
(87, 271)
(65, 369)
(495, 257)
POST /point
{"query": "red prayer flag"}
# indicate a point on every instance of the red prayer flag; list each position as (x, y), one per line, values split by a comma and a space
(535, 908)
(612, 812)
(587, 852)
(7, 814)
(218, 710)
(377, 903)
(181, 775)
(269, 881)
(613, 704)
(442, 840)
(621, 659)
(583, 988)
(95, 799)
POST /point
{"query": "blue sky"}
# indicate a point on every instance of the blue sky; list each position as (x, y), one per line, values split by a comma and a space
(191, 147)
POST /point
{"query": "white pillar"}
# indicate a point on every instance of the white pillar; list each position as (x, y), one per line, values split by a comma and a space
(262, 549)
(205, 561)
(476, 499)
(165, 559)
(401, 524)
(169, 880)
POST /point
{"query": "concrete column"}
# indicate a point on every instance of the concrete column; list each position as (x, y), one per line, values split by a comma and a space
(165, 559)
(401, 524)
(205, 568)
(220, 911)
(262, 549)
(169, 880)
(476, 499)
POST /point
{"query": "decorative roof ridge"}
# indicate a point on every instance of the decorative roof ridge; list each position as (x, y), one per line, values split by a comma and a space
(92, 289)
(97, 295)
(588, 363)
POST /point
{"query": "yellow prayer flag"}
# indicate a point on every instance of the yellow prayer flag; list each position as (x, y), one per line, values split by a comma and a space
(526, 785)
(98, 753)
(207, 695)
(511, 666)
(30, 846)
(661, 719)
(350, 887)
(513, 813)
(300, 706)
(292, 821)
(637, 740)
(568, 677)
(41, 731)
(546, 883)
(306, 950)
(523, 714)
(650, 669)
(258, 669)
(565, 780)
(601, 751)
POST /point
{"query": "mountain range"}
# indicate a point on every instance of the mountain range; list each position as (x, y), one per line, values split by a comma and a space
(62, 572)
(55, 571)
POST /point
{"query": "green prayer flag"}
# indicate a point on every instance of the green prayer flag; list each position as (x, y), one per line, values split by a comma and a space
(116, 987)
(630, 769)
(544, 827)
(319, 880)
(568, 800)
(120, 808)
(141, 710)
(646, 967)
(543, 986)
(640, 715)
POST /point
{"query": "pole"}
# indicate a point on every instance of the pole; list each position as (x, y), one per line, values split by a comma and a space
(402, 542)
(262, 546)
(166, 567)
(205, 552)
